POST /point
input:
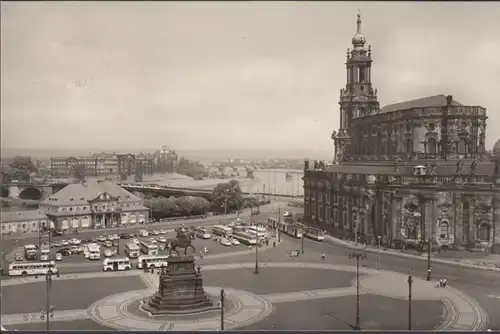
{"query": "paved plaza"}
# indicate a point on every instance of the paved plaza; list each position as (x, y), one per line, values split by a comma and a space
(320, 295)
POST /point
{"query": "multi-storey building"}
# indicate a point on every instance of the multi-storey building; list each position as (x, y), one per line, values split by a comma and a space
(408, 173)
(93, 204)
(165, 160)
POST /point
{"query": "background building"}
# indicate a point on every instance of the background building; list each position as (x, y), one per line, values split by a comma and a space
(14, 222)
(93, 204)
(165, 160)
(410, 172)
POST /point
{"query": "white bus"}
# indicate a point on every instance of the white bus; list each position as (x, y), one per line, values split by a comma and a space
(314, 233)
(260, 232)
(245, 238)
(149, 248)
(152, 261)
(92, 251)
(116, 264)
(32, 268)
(132, 250)
(222, 230)
(29, 252)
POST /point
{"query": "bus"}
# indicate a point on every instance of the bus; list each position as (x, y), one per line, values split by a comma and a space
(239, 228)
(152, 261)
(314, 233)
(222, 230)
(288, 217)
(29, 252)
(132, 250)
(44, 252)
(294, 230)
(116, 264)
(149, 248)
(32, 268)
(273, 222)
(92, 251)
(245, 238)
(260, 232)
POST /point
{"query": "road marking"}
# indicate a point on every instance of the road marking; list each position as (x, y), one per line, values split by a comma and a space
(23, 318)
(493, 296)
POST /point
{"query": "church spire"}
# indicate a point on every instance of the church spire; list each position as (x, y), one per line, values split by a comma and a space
(359, 40)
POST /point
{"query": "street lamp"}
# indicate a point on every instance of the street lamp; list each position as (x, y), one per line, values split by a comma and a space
(48, 312)
(410, 282)
(378, 261)
(358, 256)
(119, 213)
(257, 256)
(222, 296)
(302, 239)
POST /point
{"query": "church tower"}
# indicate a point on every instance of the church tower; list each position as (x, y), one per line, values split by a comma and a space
(358, 98)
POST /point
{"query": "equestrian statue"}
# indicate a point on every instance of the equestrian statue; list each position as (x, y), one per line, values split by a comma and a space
(182, 240)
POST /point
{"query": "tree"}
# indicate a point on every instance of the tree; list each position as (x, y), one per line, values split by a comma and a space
(166, 207)
(190, 168)
(78, 172)
(199, 205)
(22, 168)
(227, 197)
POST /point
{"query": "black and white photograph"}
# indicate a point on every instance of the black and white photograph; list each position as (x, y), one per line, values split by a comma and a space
(250, 165)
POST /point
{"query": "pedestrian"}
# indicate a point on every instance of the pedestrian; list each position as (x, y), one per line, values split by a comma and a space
(274, 243)
(322, 256)
(444, 282)
(201, 254)
(440, 282)
(267, 242)
(205, 250)
(250, 247)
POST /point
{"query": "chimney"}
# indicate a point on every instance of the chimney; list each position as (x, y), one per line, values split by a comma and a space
(449, 98)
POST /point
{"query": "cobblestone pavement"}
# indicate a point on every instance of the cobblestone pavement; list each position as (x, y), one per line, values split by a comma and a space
(462, 312)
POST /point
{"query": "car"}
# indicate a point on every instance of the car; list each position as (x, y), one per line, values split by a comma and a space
(109, 252)
(44, 257)
(18, 257)
(110, 237)
(162, 232)
(74, 241)
(94, 239)
(152, 240)
(125, 236)
(57, 244)
(65, 252)
(136, 241)
(64, 242)
(235, 242)
(115, 243)
(231, 224)
(225, 242)
(58, 257)
(155, 232)
(143, 233)
(161, 239)
(74, 249)
(101, 238)
(108, 243)
(131, 235)
(115, 237)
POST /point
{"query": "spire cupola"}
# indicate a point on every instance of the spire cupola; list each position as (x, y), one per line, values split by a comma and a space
(359, 40)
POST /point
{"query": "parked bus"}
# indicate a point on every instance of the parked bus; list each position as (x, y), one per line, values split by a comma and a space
(116, 264)
(294, 230)
(239, 228)
(288, 217)
(152, 261)
(44, 252)
(260, 232)
(245, 238)
(149, 248)
(132, 250)
(32, 268)
(314, 233)
(222, 230)
(29, 252)
(92, 251)
(273, 222)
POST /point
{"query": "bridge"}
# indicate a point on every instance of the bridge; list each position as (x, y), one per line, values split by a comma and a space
(40, 191)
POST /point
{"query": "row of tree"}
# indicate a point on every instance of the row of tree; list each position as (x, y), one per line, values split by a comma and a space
(20, 169)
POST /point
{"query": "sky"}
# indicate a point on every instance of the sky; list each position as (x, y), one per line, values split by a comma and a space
(235, 75)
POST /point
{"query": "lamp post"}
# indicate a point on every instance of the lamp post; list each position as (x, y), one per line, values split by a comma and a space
(119, 221)
(48, 312)
(410, 282)
(222, 296)
(358, 256)
(302, 239)
(429, 267)
(379, 238)
(256, 244)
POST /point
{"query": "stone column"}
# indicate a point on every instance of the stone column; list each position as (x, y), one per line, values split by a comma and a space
(472, 221)
(457, 219)
(396, 215)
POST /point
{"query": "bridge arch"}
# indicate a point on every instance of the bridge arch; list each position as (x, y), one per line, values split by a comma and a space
(31, 193)
(5, 192)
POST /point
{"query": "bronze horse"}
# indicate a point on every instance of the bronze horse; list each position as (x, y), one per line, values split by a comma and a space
(181, 241)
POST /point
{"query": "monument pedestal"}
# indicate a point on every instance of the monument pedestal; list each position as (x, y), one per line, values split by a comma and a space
(180, 290)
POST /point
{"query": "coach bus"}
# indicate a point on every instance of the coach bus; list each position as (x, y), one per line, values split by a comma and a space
(32, 268)
(152, 261)
(132, 250)
(245, 238)
(149, 248)
(222, 230)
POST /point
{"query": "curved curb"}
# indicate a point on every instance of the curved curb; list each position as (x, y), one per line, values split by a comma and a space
(112, 312)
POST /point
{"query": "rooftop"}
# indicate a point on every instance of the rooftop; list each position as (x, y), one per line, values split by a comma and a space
(425, 102)
(20, 216)
(82, 193)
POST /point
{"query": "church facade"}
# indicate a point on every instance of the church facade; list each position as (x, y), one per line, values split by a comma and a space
(409, 173)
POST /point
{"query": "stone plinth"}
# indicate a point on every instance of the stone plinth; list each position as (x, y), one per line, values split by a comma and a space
(180, 290)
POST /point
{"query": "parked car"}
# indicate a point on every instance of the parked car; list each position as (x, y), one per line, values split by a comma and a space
(225, 242)
(59, 257)
(64, 242)
(155, 232)
(161, 239)
(115, 243)
(235, 242)
(136, 241)
(152, 240)
(108, 243)
(162, 247)
(143, 233)
(109, 252)
(56, 233)
(18, 257)
(58, 244)
(124, 236)
(74, 249)
(102, 238)
(74, 241)
(65, 252)
(162, 232)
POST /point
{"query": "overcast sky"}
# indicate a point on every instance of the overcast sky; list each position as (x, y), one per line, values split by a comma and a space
(231, 75)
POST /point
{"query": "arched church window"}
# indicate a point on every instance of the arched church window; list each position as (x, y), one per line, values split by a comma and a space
(444, 230)
(483, 232)
(462, 146)
(431, 146)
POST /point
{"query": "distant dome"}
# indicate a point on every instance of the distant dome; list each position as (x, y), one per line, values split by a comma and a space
(359, 40)
(496, 148)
